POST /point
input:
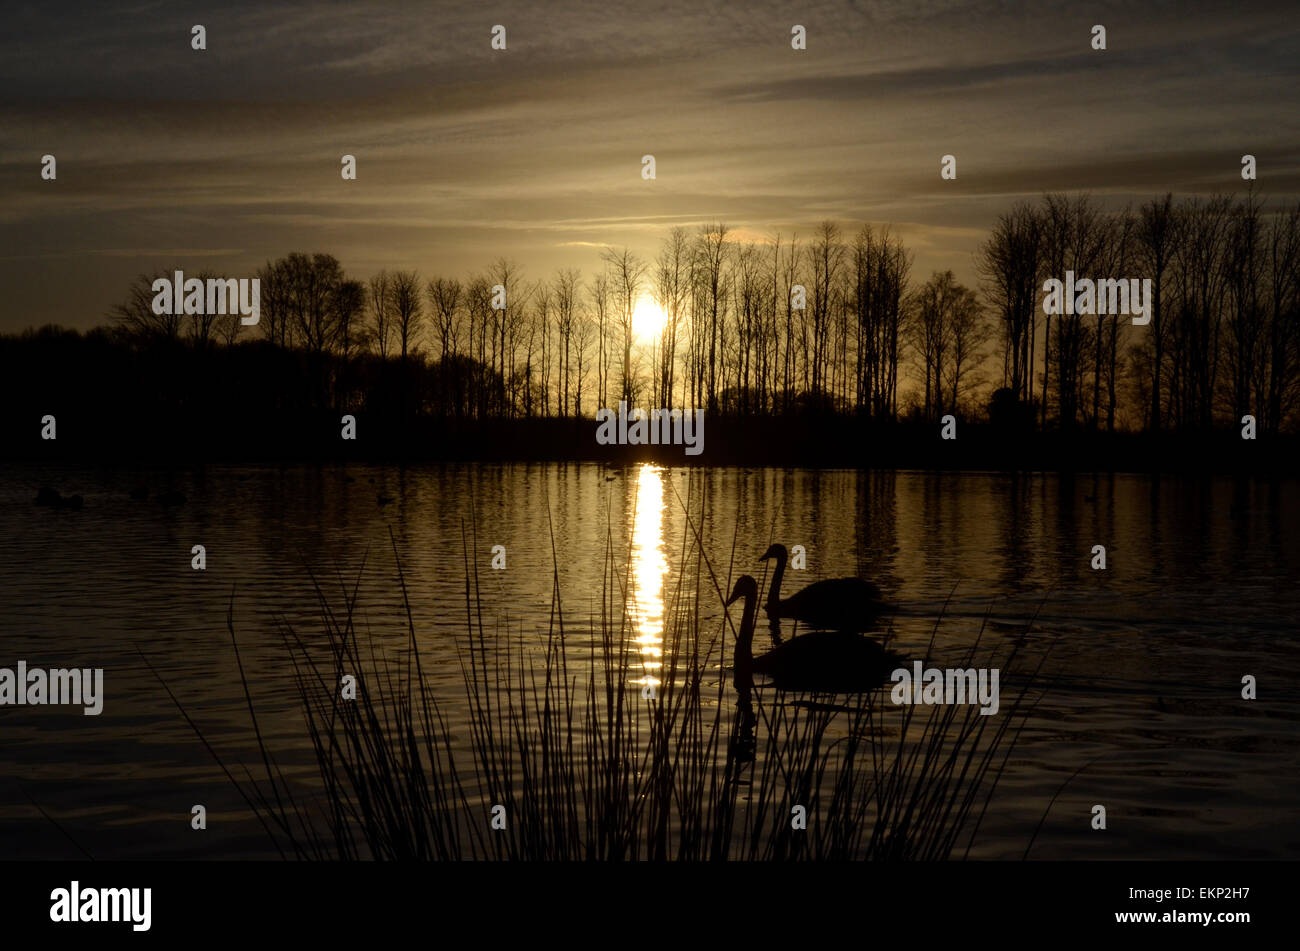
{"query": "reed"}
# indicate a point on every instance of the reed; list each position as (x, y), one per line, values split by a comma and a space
(587, 767)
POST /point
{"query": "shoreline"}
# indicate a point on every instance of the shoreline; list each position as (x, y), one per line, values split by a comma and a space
(813, 442)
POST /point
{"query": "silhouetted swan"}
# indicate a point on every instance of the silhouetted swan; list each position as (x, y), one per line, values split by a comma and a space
(830, 661)
(842, 604)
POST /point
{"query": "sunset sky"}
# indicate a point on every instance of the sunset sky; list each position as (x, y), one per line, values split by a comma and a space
(222, 159)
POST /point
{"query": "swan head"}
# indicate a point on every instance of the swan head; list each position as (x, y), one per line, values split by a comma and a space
(746, 587)
(775, 551)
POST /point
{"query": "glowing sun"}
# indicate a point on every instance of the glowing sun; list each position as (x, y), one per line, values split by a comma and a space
(648, 319)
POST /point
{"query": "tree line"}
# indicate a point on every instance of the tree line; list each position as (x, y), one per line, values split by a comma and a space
(832, 323)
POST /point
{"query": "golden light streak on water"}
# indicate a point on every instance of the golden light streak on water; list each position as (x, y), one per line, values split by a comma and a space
(649, 566)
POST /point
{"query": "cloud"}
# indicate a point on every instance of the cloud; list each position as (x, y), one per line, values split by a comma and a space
(464, 155)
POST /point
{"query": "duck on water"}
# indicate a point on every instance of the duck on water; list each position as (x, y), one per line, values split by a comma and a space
(835, 661)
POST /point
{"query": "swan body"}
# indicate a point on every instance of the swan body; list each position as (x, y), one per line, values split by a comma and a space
(830, 661)
(839, 604)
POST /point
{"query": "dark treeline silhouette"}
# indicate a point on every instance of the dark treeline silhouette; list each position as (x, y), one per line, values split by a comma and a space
(826, 326)
(1221, 342)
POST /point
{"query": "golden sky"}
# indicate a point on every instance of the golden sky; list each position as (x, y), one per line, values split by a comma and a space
(222, 159)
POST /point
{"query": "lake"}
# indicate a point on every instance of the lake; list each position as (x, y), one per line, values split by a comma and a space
(1145, 658)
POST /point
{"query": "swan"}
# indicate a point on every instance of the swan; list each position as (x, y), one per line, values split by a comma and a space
(842, 604)
(829, 661)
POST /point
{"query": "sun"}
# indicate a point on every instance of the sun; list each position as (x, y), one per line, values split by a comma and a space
(648, 319)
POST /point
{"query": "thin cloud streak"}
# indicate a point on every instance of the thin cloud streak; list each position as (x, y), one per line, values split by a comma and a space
(465, 155)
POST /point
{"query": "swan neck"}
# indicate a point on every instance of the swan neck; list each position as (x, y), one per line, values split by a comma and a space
(745, 637)
(774, 592)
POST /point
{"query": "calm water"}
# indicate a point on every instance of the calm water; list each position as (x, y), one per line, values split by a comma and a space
(1148, 655)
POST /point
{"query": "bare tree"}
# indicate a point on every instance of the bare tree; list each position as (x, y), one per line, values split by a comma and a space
(672, 292)
(789, 352)
(445, 304)
(381, 312)
(931, 334)
(408, 310)
(536, 320)
(203, 324)
(600, 294)
(710, 254)
(1200, 281)
(968, 333)
(747, 288)
(349, 303)
(1073, 236)
(1283, 250)
(509, 277)
(314, 281)
(827, 254)
(564, 292)
(627, 271)
(583, 331)
(481, 316)
(135, 318)
(1156, 237)
(1010, 265)
(1113, 257)
(1246, 316)
(229, 328)
(275, 294)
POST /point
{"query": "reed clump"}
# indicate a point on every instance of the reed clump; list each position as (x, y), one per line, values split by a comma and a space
(558, 750)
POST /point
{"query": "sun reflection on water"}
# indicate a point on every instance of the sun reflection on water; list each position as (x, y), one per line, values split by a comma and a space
(649, 565)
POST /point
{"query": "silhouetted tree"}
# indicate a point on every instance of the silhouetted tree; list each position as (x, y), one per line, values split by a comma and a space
(1010, 264)
(408, 310)
(1156, 237)
(381, 312)
(134, 318)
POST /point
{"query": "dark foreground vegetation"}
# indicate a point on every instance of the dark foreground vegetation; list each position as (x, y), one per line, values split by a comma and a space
(565, 750)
